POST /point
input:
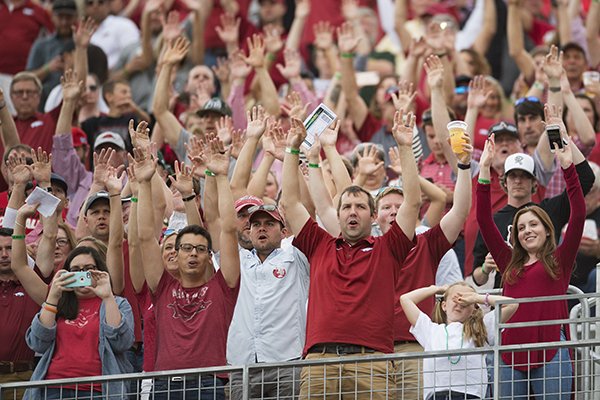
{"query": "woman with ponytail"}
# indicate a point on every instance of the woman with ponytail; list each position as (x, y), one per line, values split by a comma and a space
(458, 323)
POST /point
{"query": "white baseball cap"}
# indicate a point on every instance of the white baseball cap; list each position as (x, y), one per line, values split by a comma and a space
(109, 138)
(520, 161)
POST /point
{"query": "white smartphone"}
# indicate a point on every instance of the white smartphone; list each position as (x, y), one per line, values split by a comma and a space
(316, 123)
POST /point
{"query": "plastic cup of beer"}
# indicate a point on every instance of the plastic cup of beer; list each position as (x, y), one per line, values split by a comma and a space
(457, 129)
(589, 77)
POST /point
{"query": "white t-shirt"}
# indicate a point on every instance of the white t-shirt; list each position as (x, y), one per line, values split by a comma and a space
(469, 374)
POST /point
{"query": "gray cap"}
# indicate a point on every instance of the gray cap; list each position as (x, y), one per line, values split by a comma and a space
(94, 198)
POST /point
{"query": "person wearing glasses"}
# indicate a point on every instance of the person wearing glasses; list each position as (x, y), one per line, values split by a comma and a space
(351, 275)
(193, 312)
(269, 321)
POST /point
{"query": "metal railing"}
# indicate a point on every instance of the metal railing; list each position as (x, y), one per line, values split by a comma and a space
(341, 377)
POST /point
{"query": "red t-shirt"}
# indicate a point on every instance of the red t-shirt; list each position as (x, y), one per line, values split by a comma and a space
(17, 310)
(368, 128)
(38, 130)
(18, 30)
(482, 127)
(419, 270)
(192, 323)
(352, 294)
(144, 299)
(76, 350)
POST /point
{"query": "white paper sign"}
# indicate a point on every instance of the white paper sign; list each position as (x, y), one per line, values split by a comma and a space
(47, 202)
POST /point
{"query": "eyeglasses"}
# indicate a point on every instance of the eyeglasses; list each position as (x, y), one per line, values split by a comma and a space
(262, 207)
(531, 99)
(62, 242)
(23, 92)
(92, 88)
(188, 248)
(86, 268)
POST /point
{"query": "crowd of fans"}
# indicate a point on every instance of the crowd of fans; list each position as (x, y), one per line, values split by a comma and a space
(171, 132)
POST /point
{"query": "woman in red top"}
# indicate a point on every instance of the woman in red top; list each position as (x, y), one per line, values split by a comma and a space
(533, 267)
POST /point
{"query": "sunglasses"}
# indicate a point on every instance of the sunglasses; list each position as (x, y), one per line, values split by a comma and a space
(461, 90)
(531, 99)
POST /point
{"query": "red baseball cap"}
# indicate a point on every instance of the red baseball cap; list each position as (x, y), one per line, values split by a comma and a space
(79, 137)
(247, 201)
(270, 209)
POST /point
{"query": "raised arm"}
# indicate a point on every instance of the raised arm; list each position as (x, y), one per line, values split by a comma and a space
(516, 44)
(592, 33)
(184, 184)
(452, 223)
(410, 300)
(10, 136)
(136, 271)
(144, 168)
(217, 161)
(82, 36)
(273, 143)
(563, 22)
(33, 284)
(328, 139)
(114, 254)
(175, 52)
(470, 297)
(200, 11)
(583, 127)
(256, 58)
(400, 19)
(300, 16)
(296, 213)
(409, 210)
(347, 43)
(489, 28)
(476, 99)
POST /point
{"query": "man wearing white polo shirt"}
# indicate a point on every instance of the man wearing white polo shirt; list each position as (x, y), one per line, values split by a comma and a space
(269, 321)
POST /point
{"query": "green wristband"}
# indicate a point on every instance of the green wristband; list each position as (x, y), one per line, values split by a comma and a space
(208, 172)
(484, 181)
(347, 55)
(290, 150)
(134, 199)
(313, 165)
(483, 269)
(18, 237)
(271, 56)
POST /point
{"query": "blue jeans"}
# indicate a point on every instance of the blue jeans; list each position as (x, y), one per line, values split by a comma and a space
(554, 380)
(56, 393)
(211, 388)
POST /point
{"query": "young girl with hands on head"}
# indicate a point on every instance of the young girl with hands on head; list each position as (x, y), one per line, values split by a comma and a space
(458, 323)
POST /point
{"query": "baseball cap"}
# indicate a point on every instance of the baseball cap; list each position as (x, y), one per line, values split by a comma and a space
(270, 209)
(215, 105)
(79, 137)
(101, 195)
(504, 128)
(573, 46)
(109, 138)
(64, 7)
(247, 201)
(520, 161)
(59, 181)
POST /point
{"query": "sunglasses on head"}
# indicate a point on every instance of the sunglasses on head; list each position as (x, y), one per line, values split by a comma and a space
(262, 207)
(531, 99)
(503, 126)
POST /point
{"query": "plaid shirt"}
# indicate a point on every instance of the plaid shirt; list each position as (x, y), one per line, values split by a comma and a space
(557, 183)
(439, 173)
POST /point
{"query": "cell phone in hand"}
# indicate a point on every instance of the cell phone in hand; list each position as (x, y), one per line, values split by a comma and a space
(553, 132)
(82, 279)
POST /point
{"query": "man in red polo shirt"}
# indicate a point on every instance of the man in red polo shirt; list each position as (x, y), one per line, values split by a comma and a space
(17, 310)
(352, 294)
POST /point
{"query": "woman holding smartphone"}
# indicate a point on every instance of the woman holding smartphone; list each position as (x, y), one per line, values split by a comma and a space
(534, 266)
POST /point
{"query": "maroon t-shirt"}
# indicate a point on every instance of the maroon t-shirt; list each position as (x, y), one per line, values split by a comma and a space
(419, 270)
(76, 349)
(192, 323)
(17, 310)
(352, 295)
(38, 130)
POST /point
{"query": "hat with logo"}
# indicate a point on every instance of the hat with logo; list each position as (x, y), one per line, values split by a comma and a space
(79, 137)
(271, 209)
(520, 161)
(101, 195)
(109, 138)
(247, 201)
(502, 128)
(215, 105)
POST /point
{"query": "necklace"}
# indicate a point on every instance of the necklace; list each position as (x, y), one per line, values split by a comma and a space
(462, 334)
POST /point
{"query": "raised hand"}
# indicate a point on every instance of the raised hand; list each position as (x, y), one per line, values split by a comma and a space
(101, 284)
(489, 150)
(323, 32)
(273, 40)
(238, 67)
(28, 210)
(183, 181)
(224, 128)
(195, 151)
(176, 51)
(58, 286)
(418, 48)
(329, 136)
(553, 64)
(257, 122)
(395, 164)
(435, 71)
(217, 158)
(114, 180)
(274, 141)
(256, 51)
(238, 138)
(221, 70)
(171, 28)
(101, 163)
(292, 64)
(477, 93)
(18, 168)
(368, 162)
(466, 298)
(153, 5)
(350, 10)
(296, 134)
(553, 115)
(347, 38)
(302, 9)
(82, 34)
(131, 180)
(71, 87)
(140, 137)
(403, 128)
(229, 30)
(144, 165)
(42, 166)
(405, 96)
(294, 106)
